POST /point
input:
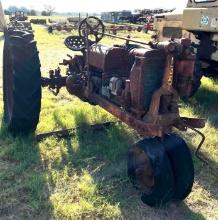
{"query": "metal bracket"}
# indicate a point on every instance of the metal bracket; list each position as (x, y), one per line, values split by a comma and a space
(55, 81)
(66, 133)
(197, 152)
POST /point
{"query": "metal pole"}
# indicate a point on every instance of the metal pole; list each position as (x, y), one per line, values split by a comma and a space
(126, 39)
(87, 55)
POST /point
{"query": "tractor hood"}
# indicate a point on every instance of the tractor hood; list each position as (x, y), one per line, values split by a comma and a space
(2, 18)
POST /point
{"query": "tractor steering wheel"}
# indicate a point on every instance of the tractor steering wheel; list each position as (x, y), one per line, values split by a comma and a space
(92, 27)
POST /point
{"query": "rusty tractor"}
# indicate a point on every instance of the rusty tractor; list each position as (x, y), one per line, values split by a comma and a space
(139, 83)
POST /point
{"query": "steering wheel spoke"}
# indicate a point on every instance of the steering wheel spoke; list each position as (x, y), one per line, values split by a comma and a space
(92, 26)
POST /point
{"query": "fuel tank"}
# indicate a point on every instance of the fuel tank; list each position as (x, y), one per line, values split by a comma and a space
(109, 59)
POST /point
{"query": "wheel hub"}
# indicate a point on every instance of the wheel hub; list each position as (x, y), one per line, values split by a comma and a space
(142, 169)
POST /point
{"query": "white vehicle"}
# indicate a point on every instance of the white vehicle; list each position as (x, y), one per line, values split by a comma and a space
(199, 22)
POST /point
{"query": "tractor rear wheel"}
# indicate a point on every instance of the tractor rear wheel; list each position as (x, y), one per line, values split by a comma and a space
(21, 82)
(150, 171)
(182, 165)
(198, 74)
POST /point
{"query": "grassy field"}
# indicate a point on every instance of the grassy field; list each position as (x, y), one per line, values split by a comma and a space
(85, 177)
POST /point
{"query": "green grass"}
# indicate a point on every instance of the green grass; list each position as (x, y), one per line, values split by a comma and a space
(85, 177)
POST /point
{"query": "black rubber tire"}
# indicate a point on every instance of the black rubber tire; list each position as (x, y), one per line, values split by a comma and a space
(182, 165)
(198, 74)
(21, 82)
(163, 189)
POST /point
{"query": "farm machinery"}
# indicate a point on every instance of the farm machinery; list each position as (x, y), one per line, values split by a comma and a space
(18, 16)
(38, 21)
(139, 83)
(19, 19)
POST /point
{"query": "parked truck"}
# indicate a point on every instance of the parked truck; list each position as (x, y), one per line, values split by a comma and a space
(198, 22)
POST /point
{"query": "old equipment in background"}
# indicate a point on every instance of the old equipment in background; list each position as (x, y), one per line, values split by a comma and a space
(138, 83)
(19, 20)
(18, 16)
(198, 22)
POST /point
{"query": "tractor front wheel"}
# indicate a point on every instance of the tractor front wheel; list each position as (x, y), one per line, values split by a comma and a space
(150, 171)
(162, 169)
(182, 165)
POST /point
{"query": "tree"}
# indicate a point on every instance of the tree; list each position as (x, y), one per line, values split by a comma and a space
(32, 12)
(13, 9)
(24, 9)
(49, 9)
(44, 13)
(6, 12)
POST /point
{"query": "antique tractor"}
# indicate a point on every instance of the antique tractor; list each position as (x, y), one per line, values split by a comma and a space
(138, 83)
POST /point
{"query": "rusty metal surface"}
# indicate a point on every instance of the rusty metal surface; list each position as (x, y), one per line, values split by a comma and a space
(194, 122)
(183, 63)
(144, 173)
(108, 59)
(148, 52)
(137, 86)
(184, 75)
(184, 69)
(169, 118)
(163, 112)
(146, 103)
(146, 71)
(143, 128)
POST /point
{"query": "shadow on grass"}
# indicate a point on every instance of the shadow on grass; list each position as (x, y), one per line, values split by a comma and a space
(205, 104)
(24, 191)
(105, 145)
(103, 155)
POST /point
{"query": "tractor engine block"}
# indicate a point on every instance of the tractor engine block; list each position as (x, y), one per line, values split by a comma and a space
(129, 76)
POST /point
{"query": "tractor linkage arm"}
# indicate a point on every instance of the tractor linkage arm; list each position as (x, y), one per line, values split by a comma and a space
(55, 81)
